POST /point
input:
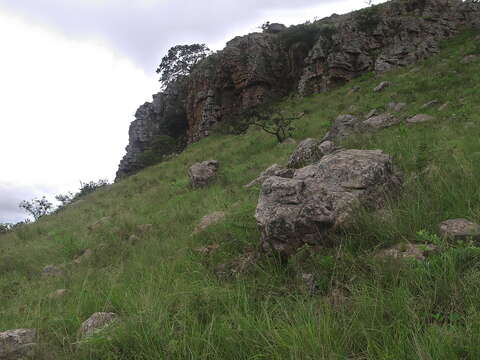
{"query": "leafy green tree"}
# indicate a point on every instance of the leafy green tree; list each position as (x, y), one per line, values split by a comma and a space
(180, 61)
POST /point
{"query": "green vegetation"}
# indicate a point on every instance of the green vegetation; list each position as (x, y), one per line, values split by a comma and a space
(307, 33)
(174, 306)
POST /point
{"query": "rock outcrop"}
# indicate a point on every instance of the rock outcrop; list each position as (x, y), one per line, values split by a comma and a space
(308, 152)
(321, 197)
(379, 38)
(262, 66)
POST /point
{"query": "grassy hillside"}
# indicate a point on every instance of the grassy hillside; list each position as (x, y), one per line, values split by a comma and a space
(174, 305)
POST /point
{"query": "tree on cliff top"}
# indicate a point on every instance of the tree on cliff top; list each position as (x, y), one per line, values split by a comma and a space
(180, 61)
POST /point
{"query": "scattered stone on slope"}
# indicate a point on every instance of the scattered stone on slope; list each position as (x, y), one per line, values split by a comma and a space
(209, 220)
(237, 267)
(405, 251)
(420, 118)
(443, 106)
(469, 59)
(17, 344)
(274, 170)
(97, 322)
(144, 228)
(321, 197)
(204, 173)
(308, 152)
(459, 229)
(84, 256)
(133, 240)
(343, 126)
(207, 250)
(99, 223)
(288, 141)
(396, 107)
(309, 282)
(372, 113)
(57, 294)
(53, 270)
(430, 104)
(382, 121)
(353, 90)
(382, 86)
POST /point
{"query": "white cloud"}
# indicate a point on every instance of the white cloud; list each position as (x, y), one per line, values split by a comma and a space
(65, 108)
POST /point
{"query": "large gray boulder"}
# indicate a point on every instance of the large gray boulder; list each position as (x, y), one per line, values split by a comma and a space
(308, 152)
(17, 344)
(202, 174)
(321, 197)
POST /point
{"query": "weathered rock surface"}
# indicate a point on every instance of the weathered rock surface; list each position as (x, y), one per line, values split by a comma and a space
(99, 223)
(202, 174)
(420, 118)
(459, 229)
(397, 33)
(97, 322)
(321, 197)
(17, 344)
(84, 256)
(57, 294)
(396, 107)
(53, 270)
(209, 220)
(382, 121)
(408, 251)
(308, 152)
(344, 126)
(382, 86)
(274, 170)
(165, 116)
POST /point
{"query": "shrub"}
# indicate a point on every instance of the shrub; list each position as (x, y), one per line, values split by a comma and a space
(307, 33)
(37, 207)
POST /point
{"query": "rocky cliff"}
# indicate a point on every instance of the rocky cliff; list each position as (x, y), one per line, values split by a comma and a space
(263, 66)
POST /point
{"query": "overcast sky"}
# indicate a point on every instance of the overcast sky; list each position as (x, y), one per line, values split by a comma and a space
(73, 72)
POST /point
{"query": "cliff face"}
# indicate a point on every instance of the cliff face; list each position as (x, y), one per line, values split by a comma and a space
(261, 66)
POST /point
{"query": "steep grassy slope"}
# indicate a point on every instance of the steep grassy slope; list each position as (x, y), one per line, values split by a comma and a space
(174, 306)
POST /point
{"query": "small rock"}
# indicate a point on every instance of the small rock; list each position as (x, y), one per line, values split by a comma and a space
(17, 344)
(343, 126)
(85, 255)
(404, 251)
(133, 239)
(207, 250)
(57, 294)
(459, 229)
(202, 174)
(274, 170)
(53, 270)
(337, 298)
(371, 113)
(382, 86)
(469, 59)
(145, 228)
(306, 153)
(210, 220)
(382, 121)
(443, 106)
(309, 282)
(97, 322)
(99, 223)
(289, 141)
(430, 104)
(420, 119)
(396, 107)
